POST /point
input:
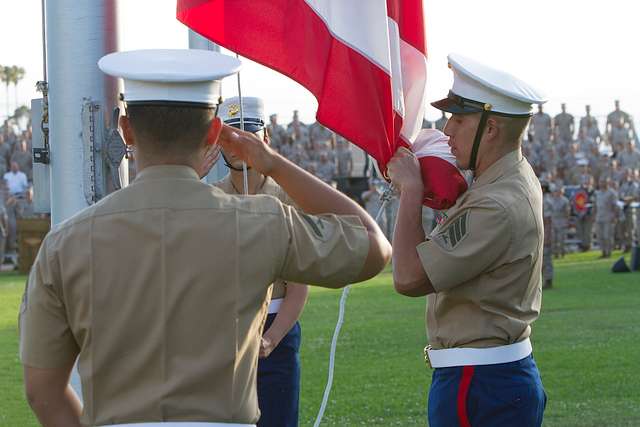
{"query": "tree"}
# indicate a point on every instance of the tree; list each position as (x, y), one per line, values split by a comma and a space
(22, 111)
(17, 74)
(5, 78)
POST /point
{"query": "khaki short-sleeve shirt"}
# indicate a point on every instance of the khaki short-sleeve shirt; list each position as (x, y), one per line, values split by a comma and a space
(270, 187)
(161, 286)
(485, 260)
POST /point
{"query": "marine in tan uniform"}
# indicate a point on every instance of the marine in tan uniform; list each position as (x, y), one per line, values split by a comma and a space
(279, 365)
(560, 210)
(629, 158)
(584, 215)
(160, 289)
(606, 215)
(618, 116)
(277, 134)
(344, 157)
(481, 267)
(564, 125)
(299, 131)
(589, 125)
(541, 125)
(627, 195)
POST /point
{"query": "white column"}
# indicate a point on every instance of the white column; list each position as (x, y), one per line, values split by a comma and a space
(78, 34)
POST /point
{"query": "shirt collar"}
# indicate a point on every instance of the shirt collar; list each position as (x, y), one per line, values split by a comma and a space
(167, 172)
(499, 168)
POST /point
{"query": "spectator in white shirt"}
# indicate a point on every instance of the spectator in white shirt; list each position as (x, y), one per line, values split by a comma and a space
(17, 185)
(16, 180)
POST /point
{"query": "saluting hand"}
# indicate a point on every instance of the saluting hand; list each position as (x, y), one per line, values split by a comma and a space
(248, 148)
(211, 156)
(404, 171)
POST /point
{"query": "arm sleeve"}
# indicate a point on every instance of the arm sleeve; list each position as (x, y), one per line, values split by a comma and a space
(323, 250)
(46, 340)
(465, 246)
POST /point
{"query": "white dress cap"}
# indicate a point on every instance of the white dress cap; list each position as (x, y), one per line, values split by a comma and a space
(171, 75)
(503, 92)
(252, 112)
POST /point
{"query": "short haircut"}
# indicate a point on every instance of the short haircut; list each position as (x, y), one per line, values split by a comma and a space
(170, 129)
(513, 127)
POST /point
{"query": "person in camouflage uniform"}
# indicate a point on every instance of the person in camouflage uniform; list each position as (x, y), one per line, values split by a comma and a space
(564, 126)
(584, 218)
(627, 194)
(560, 210)
(606, 214)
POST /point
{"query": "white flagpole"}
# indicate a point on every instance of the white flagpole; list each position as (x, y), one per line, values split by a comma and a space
(245, 176)
(77, 35)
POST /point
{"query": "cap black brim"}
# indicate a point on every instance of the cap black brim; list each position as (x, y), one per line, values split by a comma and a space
(451, 106)
(249, 127)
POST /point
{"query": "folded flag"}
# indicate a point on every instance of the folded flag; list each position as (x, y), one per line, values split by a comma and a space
(443, 181)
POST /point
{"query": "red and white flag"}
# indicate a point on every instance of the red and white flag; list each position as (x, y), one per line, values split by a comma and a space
(443, 181)
(363, 60)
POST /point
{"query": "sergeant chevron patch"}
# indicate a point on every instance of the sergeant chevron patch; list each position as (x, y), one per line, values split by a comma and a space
(454, 233)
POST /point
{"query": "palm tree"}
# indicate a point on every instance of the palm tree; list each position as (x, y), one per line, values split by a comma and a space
(4, 78)
(17, 74)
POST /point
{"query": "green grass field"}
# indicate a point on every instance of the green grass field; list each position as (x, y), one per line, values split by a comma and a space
(585, 343)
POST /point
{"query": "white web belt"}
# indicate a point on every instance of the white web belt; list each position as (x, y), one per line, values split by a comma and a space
(180, 424)
(449, 357)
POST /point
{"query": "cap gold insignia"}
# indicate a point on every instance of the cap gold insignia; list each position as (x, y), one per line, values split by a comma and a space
(234, 109)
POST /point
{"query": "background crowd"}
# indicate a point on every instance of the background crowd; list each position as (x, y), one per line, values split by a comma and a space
(16, 186)
(591, 175)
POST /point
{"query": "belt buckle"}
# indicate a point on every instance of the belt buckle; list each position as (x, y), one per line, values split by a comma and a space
(427, 362)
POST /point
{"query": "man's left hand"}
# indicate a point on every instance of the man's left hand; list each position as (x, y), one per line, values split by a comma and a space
(267, 344)
(404, 170)
(211, 156)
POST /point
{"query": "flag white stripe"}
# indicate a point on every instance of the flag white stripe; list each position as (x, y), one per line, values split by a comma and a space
(414, 78)
(356, 23)
(396, 67)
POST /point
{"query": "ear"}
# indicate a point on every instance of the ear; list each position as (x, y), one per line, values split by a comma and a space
(492, 129)
(214, 131)
(127, 131)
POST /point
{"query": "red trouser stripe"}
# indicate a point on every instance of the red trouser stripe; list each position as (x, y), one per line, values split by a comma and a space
(465, 382)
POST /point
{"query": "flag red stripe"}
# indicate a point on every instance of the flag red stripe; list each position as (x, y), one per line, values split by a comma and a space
(409, 16)
(463, 391)
(354, 95)
(443, 182)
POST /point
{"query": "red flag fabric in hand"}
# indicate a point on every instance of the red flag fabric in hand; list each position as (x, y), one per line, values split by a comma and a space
(443, 181)
(364, 61)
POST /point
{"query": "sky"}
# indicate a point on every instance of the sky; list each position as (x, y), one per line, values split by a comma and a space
(577, 52)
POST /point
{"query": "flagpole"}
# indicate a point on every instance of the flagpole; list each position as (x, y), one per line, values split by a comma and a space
(245, 175)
